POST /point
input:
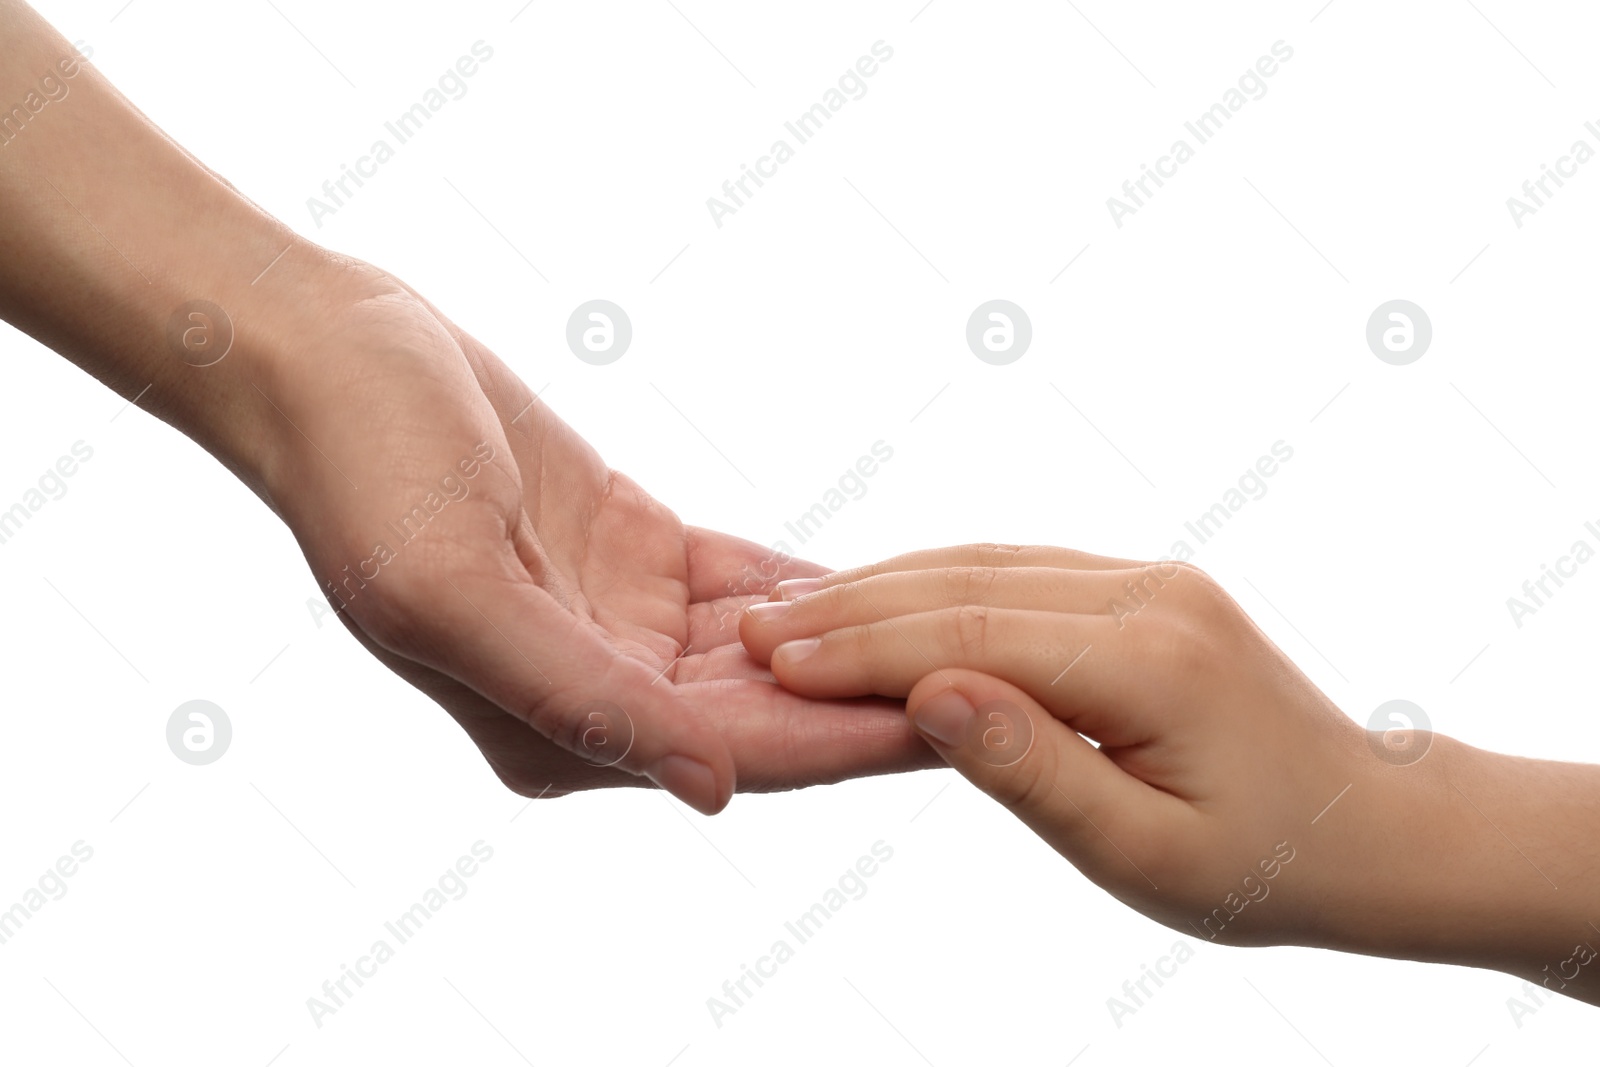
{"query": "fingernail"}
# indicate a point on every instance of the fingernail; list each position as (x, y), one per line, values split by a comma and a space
(798, 587)
(795, 651)
(769, 611)
(687, 779)
(945, 718)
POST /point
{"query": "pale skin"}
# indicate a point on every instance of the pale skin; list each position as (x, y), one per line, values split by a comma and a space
(346, 398)
(1183, 753)
(558, 582)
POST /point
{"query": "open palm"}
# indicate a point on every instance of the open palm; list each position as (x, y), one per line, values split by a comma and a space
(542, 589)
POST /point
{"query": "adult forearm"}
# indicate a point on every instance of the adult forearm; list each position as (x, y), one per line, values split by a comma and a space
(115, 244)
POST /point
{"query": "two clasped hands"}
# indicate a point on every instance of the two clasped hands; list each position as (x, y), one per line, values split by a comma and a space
(1129, 712)
(1172, 753)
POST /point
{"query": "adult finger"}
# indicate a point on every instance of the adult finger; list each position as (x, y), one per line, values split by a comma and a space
(482, 620)
(721, 565)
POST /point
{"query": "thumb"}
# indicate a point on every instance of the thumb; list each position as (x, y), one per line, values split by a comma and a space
(1059, 784)
(486, 624)
(585, 695)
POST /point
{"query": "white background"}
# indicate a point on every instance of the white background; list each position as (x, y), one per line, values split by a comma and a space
(827, 314)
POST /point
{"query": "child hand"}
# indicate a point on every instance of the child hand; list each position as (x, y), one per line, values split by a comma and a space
(1135, 718)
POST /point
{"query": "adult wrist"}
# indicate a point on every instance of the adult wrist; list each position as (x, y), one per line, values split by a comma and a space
(128, 256)
(240, 355)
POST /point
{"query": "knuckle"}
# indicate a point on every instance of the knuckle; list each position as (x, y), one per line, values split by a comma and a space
(990, 554)
(1155, 586)
(1197, 593)
(568, 732)
(968, 585)
(858, 644)
(971, 626)
(1179, 568)
(836, 601)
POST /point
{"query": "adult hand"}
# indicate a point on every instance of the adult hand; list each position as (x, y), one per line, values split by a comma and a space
(469, 539)
(484, 552)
